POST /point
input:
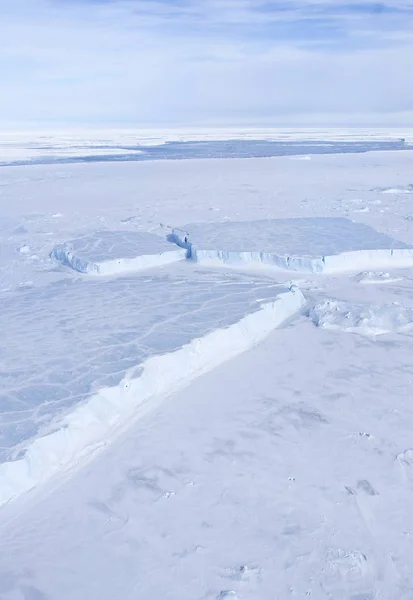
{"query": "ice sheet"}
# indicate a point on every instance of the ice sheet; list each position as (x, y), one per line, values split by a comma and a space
(287, 470)
(64, 341)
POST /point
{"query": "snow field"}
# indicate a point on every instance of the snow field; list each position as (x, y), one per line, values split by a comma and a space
(179, 192)
(144, 353)
(286, 471)
(33, 408)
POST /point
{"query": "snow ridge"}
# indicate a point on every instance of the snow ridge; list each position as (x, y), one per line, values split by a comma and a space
(91, 424)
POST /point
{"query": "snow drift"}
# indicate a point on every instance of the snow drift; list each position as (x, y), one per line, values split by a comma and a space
(90, 425)
(363, 319)
(399, 189)
(374, 277)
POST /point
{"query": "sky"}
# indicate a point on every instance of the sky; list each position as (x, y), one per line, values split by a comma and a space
(134, 63)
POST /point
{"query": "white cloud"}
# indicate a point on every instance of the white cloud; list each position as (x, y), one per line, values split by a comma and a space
(147, 62)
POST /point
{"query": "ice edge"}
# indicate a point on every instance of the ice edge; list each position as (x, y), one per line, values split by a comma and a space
(356, 260)
(65, 256)
(91, 423)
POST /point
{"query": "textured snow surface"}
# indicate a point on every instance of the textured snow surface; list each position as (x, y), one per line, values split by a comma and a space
(113, 252)
(283, 473)
(398, 190)
(68, 339)
(361, 318)
(374, 277)
(288, 469)
(108, 370)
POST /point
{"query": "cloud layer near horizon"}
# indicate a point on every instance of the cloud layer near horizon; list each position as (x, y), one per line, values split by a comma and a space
(205, 62)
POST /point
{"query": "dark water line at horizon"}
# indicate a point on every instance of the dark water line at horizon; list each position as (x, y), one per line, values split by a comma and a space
(217, 149)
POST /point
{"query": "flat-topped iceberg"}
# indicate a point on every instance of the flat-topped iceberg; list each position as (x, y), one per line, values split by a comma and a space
(114, 252)
(316, 245)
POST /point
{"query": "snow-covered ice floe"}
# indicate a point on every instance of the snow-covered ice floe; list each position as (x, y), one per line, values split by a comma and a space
(361, 318)
(114, 252)
(315, 245)
(107, 347)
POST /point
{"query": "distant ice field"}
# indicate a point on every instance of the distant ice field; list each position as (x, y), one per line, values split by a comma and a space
(16, 154)
(66, 340)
